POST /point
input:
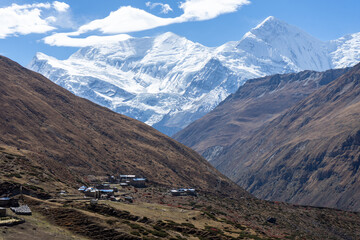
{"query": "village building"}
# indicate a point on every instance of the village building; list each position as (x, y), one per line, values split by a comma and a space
(92, 192)
(183, 192)
(127, 178)
(5, 202)
(63, 192)
(138, 182)
(108, 192)
(14, 202)
(2, 212)
(103, 186)
(22, 210)
(112, 179)
(129, 199)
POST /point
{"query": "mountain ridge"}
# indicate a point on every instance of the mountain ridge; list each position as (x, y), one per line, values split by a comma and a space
(307, 153)
(149, 78)
(254, 104)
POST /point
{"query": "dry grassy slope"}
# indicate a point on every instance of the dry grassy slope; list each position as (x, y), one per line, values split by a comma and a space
(308, 155)
(256, 103)
(72, 137)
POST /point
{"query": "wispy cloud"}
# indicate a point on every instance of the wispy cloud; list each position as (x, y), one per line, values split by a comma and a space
(165, 8)
(129, 19)
(29, 18)
(70, 40)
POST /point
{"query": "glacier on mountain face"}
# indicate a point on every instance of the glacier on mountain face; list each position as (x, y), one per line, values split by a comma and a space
(345, 51)
(168, 81)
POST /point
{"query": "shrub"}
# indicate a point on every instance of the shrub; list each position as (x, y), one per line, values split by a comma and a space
(160, 233)
(135, 233)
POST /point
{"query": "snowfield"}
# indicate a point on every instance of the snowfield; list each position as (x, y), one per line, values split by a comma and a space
(168, 81)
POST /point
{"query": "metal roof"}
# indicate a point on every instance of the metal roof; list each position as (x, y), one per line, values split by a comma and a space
(106, 190)
(139, 179)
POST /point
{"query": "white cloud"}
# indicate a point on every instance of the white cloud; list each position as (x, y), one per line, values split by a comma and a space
(64, 39)
(199, 10)
(26, 19)
(165, 8)
(128, 19)
(124, 20)
(61, 6)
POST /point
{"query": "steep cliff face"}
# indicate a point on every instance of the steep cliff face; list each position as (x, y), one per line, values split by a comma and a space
(256, 103)
(72, 138)
(168, 81)
(307, 155)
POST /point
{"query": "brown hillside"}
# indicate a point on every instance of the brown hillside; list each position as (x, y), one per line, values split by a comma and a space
(72, 138)
(308, 155)
(256, 103)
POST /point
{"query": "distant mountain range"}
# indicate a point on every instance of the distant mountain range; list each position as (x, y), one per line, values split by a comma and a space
(168, 81)
(292, 137)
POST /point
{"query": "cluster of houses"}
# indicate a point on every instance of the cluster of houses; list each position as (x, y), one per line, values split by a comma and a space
(13, 204)
(132, 180)
(105, 190)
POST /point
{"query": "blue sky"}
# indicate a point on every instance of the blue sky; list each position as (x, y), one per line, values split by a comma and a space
(59, 28)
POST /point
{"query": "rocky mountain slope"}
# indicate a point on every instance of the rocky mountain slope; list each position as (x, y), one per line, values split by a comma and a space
(51, 140)
(307, 155)
(168, 81)
(254, 104)
(71, 138)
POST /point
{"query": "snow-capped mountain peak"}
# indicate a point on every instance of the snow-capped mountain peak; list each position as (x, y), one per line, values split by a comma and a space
(271, 29)
(169, 81)
(275, 39)
(169, 37)
(345, 51)
(267, 22)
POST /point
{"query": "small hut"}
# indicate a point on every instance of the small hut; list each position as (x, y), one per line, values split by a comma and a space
(92, 192)
(183, 192)
(108, 192)
(2, 212)
(82, 188)
(22, 210)
(5, 202)
(138, 182)
(126, 178)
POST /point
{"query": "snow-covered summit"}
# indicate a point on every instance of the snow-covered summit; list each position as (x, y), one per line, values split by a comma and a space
(283, 43)
(169, 81)
(345, 51)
